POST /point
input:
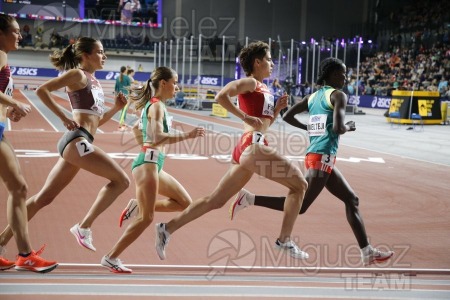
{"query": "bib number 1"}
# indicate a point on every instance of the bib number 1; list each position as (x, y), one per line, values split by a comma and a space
(151, 155)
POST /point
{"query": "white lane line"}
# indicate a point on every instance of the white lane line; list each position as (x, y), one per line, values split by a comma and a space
(40, 112)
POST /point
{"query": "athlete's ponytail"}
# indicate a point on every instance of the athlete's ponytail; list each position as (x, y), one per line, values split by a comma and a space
(70, 57)
(143, 94)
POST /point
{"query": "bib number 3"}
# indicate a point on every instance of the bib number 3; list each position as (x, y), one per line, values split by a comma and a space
(84, 148)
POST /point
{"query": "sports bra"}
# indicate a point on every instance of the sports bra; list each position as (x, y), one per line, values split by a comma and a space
(259, 103)
(90, 99)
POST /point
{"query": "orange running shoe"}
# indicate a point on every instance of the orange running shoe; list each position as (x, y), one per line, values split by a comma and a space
(6, 264)
(129, 212)
(35, 263)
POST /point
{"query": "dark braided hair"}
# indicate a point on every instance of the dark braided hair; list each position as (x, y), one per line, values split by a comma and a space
(328, 66)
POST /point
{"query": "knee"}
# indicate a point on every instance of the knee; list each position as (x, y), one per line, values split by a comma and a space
(353, 202)
(146, 219)
(123, 182)
(185, 202)
(300, 186)
(20, 190)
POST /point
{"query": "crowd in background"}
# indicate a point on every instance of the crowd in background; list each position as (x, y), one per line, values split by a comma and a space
(412, 51)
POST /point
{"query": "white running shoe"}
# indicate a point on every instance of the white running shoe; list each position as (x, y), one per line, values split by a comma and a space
(114, 265)
(374, 255)
(83, 236)
(129, 212)
(292, 248)
(241, 201)
(162, 239)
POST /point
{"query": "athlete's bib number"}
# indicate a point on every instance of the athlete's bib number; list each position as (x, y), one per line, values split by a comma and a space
(99, 101)
(258, 138)
(9, 87)
(269, 106)
(84, 147)
(169, 120)
(317, 125)
(151, 155)
(328, 160)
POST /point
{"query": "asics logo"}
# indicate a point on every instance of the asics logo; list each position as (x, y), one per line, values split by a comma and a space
(29, 262)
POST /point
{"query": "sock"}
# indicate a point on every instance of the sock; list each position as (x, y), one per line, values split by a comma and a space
(366, 250)
(24, 255)
(251, 198)
(276, 203)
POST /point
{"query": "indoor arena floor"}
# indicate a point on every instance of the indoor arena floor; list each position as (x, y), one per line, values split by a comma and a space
(402, 178)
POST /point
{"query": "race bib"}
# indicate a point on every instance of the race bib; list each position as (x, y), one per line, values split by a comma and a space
(257, 138)
(151, 155)
(84, 147)
(328, 160)
(317, 125)
(99, 101)
(169, 120)
(269, 106)
(9, 87)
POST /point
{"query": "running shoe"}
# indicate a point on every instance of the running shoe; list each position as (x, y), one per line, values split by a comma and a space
(4, 263)
(130, 211)
(35, 263)
(114, 265)
(374, 255)
(240, 202)
(161, 241)
(292, 248)
(83, 236)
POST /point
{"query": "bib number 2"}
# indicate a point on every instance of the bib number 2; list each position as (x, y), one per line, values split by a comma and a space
(84, 148)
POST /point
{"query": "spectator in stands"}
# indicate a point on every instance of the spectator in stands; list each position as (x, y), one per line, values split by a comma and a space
(179, 99)
(127, 8)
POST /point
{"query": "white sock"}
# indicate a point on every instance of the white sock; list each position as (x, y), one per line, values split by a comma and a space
(250, 198)
(366, 250)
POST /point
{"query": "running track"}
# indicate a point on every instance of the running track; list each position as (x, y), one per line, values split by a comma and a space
(404, 203)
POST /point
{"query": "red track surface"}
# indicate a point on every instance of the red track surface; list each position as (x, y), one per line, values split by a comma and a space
(405, 208)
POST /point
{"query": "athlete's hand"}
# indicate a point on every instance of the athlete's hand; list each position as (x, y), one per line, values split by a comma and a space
(255, 122)
(12, 114)
(351, 126)
(197, 132)
(282, 102)
(21, 109)
(120, 100)
(70, 124)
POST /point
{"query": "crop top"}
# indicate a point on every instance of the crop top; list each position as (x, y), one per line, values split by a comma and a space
(90, 99)
(259, 103)
(6, 81)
